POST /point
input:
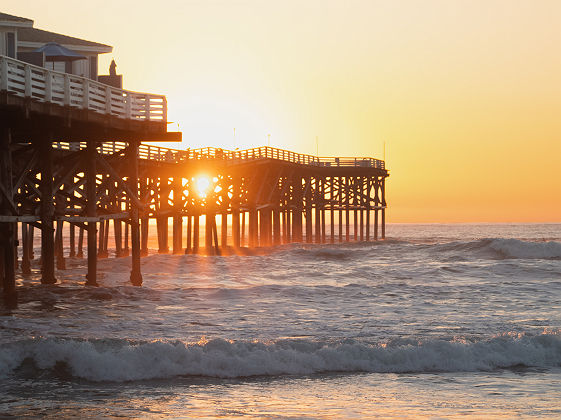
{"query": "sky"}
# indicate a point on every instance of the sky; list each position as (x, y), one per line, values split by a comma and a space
(462, 97)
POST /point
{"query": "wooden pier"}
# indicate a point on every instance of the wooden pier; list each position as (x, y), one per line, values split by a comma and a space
(71, 154)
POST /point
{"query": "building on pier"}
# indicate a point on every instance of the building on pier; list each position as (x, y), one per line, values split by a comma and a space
(18, 39)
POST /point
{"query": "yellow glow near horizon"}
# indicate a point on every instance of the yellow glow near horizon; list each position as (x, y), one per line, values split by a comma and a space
(466, 96)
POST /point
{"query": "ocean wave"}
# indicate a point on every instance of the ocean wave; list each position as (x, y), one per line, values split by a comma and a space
(515, 248)
(506, 248)
(121, 360)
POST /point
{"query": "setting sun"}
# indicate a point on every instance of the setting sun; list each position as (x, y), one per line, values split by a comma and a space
(204, 185)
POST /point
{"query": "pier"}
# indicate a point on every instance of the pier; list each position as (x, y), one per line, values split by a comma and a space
(72, 155)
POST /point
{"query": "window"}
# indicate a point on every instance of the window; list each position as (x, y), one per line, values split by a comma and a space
(11, 44)
(93, 67)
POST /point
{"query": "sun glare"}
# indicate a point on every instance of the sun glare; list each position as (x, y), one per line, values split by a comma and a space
(203, 184)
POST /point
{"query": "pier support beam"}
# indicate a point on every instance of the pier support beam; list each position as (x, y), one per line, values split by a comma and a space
(276, 226)
(236, 228)
(7, 229)
(177, 218)
(91, 205)
(136, 276)
(196, 232)
(188, 235)
(252, 228)
(117, 229)
(47, 212)
(224, 230)
(383, 185)
(26, 245)
(144, 227)
(209, 219)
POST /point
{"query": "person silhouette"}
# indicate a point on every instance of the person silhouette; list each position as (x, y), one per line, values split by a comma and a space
(113, 68)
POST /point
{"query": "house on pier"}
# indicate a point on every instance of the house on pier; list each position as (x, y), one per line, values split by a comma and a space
(18, 39)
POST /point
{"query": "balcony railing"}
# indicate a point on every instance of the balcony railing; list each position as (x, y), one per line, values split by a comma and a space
(26, 80)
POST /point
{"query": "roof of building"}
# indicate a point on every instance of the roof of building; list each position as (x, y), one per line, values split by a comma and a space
(12, 18)
(41, 36)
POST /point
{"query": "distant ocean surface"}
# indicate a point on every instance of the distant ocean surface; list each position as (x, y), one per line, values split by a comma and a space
(435, 321)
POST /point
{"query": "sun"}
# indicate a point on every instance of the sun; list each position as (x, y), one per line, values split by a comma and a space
(203, 185)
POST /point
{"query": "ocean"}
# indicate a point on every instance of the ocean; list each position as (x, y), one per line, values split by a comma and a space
(435, 321)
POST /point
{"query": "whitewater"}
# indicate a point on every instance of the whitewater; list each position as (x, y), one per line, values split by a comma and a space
(435, 321)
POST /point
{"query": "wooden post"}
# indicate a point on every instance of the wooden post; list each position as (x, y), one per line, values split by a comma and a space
(177, 234)
(297, 210)
(80, 253)
(288, 226)
(91, 210)
(318, 208)
(332, 211)
(242, 240)
(25, 258)
(348, 210)
(224, 230)
(355, 212)
(368, 210)
(126, 249)
(309, 210)
(252, 228)
(376, 224)
(383, 185)
(72, 240)
(361, 212)
(216, 250)
(106, 239)
(177, 218)
(16, 239)
(162, 227)
(208, 233)
(264, 226)
(196, 233)
(276, 226)
(144, 221)
(188, 235)
(30, 234)
(162, 221)
(136, 276)
(47, 212)
(59, 248)
(117, 226)
(145, 231)
(284, 214)
(101, 248)
(236, 227)
(7, 236)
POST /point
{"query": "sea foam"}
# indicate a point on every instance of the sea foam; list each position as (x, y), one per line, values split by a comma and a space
(121, 360)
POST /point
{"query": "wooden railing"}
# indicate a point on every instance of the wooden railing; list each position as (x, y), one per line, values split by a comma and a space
(164, 154)
(26, 80)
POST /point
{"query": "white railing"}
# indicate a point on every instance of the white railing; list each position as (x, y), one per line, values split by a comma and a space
(164, 154)
(26, 80)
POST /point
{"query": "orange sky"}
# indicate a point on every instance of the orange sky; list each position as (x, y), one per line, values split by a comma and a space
(466, 94)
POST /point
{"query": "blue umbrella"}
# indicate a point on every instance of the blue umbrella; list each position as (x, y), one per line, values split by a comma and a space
(56, 52)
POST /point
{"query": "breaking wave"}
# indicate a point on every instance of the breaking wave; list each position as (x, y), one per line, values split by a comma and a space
(507, 248)
(121, 360)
